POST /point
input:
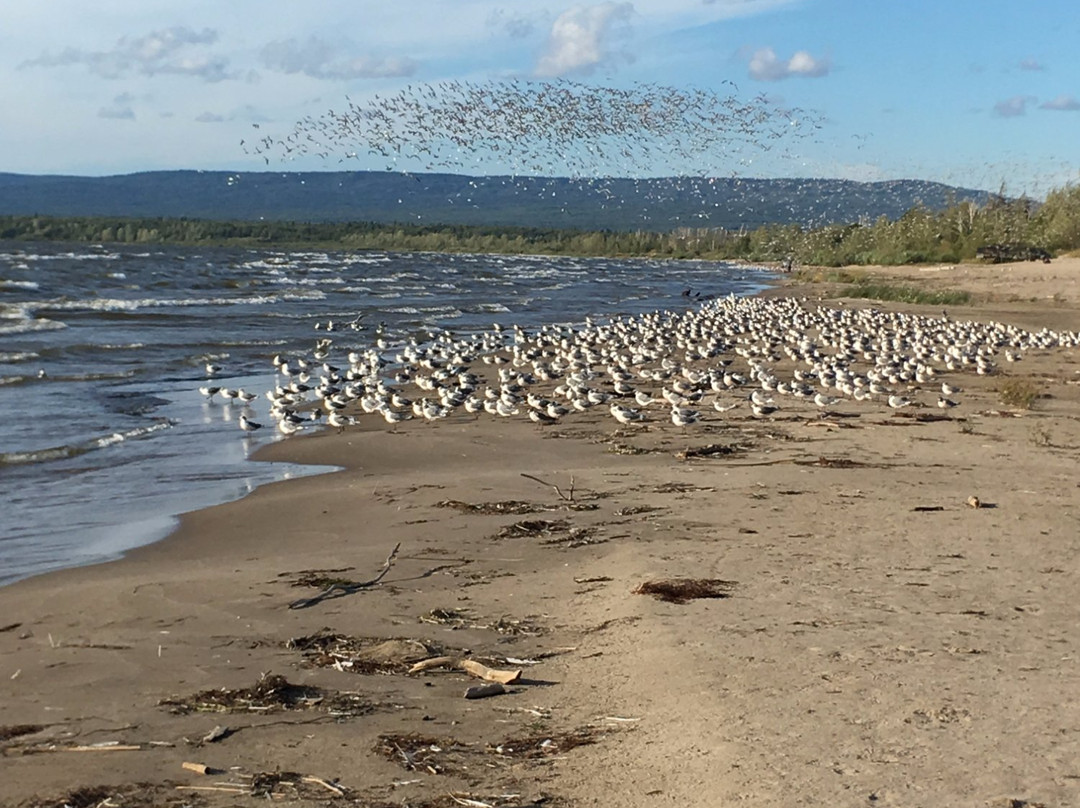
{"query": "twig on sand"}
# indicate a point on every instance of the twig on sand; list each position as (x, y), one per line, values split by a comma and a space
(567, 497)
(348, 589)
(320, 782)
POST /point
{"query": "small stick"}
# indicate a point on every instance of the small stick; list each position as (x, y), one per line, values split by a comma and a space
(227, 789)
(568, 497)
(471, 803)
(347, 589)
(324, 784)
(113, 748)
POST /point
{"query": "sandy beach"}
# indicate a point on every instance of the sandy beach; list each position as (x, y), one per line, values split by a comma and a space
(893, 620)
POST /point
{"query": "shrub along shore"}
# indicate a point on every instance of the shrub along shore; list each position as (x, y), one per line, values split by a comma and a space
(960, 232)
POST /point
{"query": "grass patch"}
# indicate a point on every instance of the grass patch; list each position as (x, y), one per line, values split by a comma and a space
(903, 293)
(862, 285)
(1019, 394)
(821, 275)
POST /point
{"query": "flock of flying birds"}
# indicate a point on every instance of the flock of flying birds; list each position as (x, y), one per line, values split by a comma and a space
(765, 354)
(561, 128)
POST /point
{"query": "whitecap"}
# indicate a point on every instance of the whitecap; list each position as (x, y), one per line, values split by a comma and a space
(75, 449)
(9, 284)
(30, 326)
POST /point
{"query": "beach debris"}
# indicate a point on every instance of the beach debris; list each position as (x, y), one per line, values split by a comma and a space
(927, 508)
(710, 450)
(836, 463)
(635, 510)
(216, 734)
(533, 747)
(577, 537)
(470, 666)
(364, 655)
(683, 590)
(9, 627)
(18, 730)
(415, 752)
(271, 693)
(104, 746)
(679, 488)
(974, 502)
(199, 768)
(484, 691)
(531, 527)
(337, 589)
(127, 795)
(320, 578)
(510, 506)
(454, 618)
(566, 497)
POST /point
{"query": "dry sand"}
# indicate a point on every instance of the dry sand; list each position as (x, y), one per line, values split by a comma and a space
(882, 643)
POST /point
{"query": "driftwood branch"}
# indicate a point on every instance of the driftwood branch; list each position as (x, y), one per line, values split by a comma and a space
(567, 497)
(338, 589)
(471, 667)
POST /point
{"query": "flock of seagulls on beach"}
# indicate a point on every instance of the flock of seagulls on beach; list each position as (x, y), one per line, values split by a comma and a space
(734, 357)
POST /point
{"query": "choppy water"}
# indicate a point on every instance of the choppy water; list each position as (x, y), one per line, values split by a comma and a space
(105, 437)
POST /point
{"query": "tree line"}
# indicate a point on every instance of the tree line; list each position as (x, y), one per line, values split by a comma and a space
(922, 235)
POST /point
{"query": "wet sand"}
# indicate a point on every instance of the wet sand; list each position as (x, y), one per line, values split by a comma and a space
(879, 641)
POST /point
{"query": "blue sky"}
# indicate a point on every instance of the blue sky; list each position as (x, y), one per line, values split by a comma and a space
(976, 93)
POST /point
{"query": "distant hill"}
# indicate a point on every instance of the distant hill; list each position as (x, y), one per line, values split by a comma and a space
(609, 204)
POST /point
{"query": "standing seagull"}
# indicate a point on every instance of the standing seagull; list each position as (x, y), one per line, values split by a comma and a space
(248, 425)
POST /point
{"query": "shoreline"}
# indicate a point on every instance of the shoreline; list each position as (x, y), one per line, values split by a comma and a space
(894, 623)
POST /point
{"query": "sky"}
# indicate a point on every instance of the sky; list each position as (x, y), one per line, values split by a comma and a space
(975, 93)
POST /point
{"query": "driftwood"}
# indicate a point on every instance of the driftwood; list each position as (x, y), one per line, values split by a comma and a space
(483, 691)
(471, 667)
(338, 589)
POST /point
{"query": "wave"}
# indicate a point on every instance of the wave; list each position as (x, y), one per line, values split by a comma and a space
(29, 326)
(335, 281)
(69, 450)
(17, 356)
(119, 304)
(10, 284)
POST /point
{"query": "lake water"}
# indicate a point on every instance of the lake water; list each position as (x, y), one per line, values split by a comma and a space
(105, 438)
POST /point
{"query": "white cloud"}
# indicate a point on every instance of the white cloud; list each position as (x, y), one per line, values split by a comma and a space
(1031, 64)
(173, 50)
(209, 117)
(581, 39)
(765, 65)
(514, 25)
(1063, 102)
(120, 109)
(319, 59)
(1013, 107)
